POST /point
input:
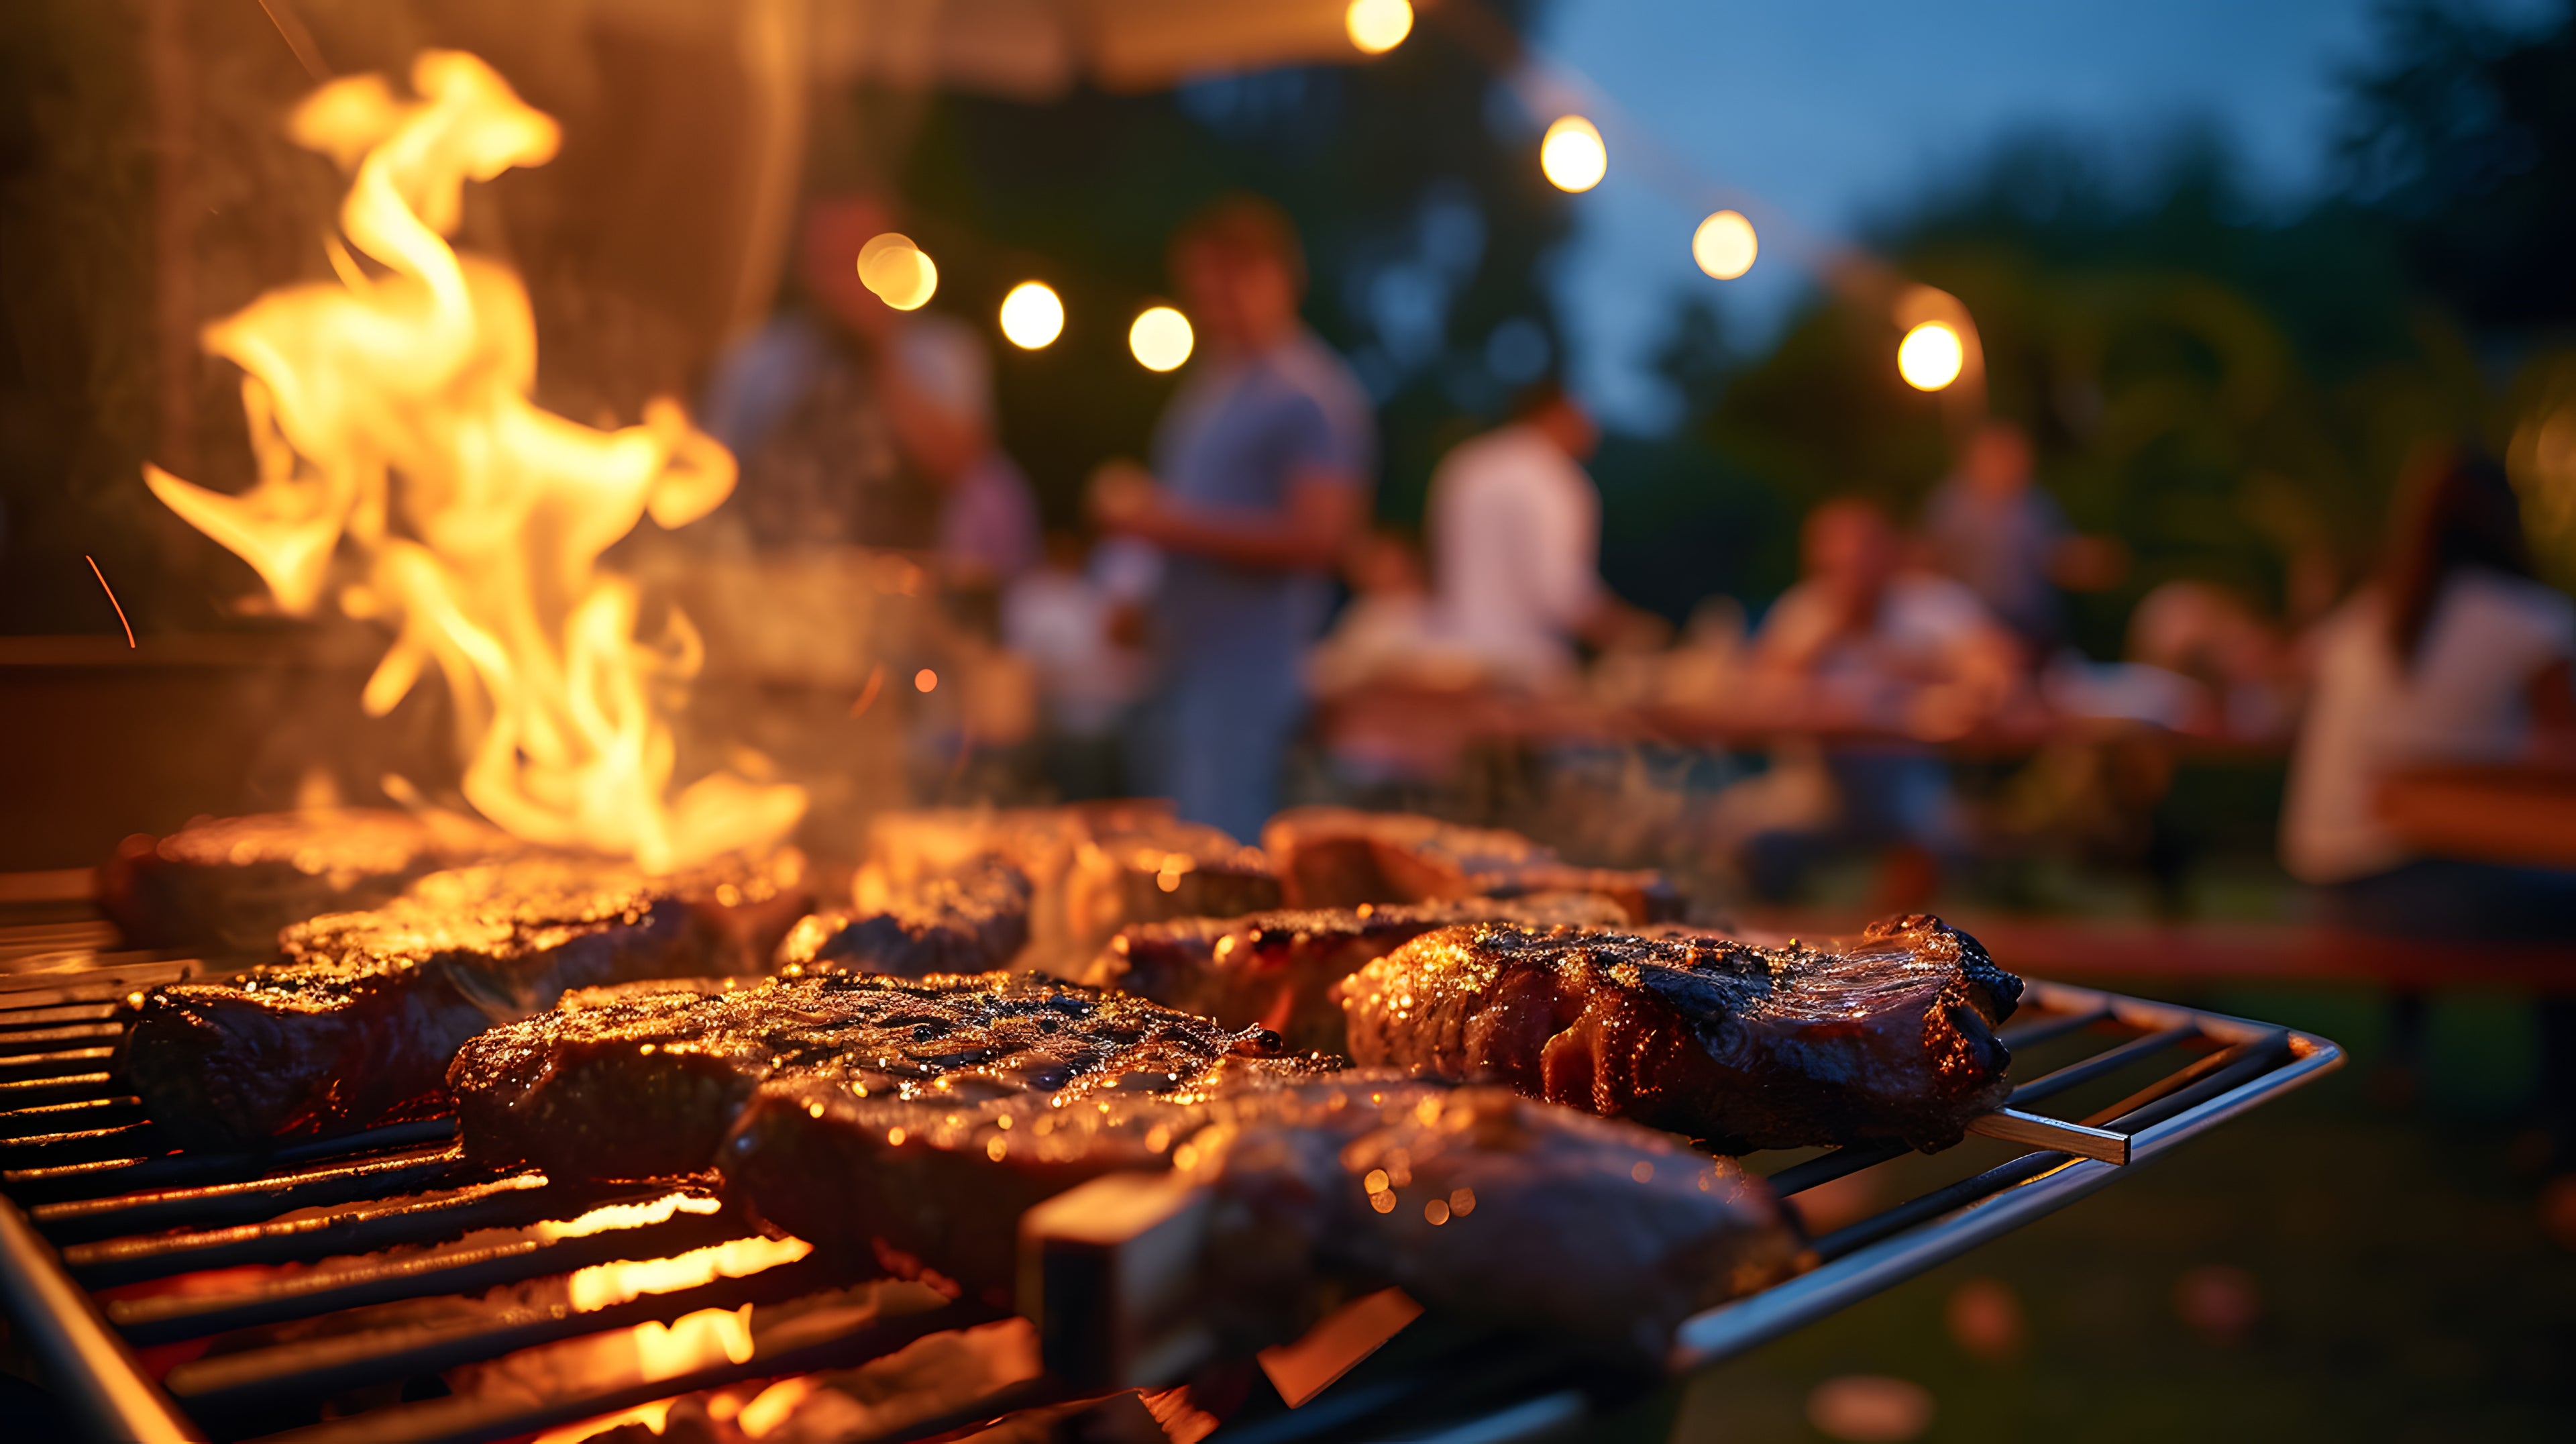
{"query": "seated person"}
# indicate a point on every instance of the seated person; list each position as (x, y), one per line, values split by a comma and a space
(1869, 648)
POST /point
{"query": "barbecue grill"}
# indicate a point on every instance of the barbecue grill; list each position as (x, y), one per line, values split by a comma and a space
(174, 1295)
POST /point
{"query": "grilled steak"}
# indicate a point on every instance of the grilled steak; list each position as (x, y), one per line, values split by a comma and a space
(1279, 970)
(969, 921)
(229, 884)
(1092, 868)
(1889, 1038)
(1475, 1201)
(645, 1082)
(356, 1022)
(1338, 857)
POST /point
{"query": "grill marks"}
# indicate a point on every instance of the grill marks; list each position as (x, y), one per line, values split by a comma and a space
(1889, 1039)
(649, 1083)
(970, 921)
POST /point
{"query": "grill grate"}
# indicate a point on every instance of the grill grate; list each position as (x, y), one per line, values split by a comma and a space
(192, 1296)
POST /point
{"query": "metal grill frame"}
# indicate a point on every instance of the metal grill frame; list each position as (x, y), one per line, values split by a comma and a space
(101, 1381)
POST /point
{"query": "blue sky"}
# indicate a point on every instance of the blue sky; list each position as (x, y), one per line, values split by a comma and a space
(1813, 114)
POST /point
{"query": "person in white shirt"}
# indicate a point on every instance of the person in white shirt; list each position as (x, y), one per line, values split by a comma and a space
(1889, 653)
(2453, 654)
(1514, 527)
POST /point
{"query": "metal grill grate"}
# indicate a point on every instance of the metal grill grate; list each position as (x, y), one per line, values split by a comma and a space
(172, 1295)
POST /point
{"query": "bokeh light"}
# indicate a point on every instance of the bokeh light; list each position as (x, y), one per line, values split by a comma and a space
(1378, 26)
(1160, 338)
(1572, 155)
(898, 271)
(1930, 356)
(1032, 315)
(1724, 245)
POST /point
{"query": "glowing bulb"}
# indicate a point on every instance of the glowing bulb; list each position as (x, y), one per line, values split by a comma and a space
(1378, 26)
(1160, 338)
(1572, 155)
(1724, 245)
(897, 270)
(1930, 356)
(1032, 315)
(925, 680)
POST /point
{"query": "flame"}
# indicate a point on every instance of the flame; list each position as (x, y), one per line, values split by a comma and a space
(603, 1285)
(485, 556)
(693, 1341)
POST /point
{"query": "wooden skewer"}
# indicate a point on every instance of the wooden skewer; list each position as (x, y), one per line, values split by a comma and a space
(2014, 1126)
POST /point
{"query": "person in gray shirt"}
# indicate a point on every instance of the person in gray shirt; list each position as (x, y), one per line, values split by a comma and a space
(1263, 464)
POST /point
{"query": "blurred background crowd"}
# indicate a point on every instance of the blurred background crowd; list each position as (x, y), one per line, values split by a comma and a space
(2218, 579)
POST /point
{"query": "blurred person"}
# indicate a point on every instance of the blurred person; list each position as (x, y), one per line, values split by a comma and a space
(1514, 525)
(2453, 653)
(1064, 616)
(1263, 464)
(1992, 527)
(1384, 632)
(1874, 648)
(857, 424)
(2246, 671)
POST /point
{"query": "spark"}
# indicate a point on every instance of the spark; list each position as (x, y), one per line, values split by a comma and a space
(111, 597)
(868, 693)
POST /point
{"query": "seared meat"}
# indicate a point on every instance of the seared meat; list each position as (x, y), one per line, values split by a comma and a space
(1889, 1038)
(229, 884)
(968, 921)
(1092, 868)
(1279, 970)
(356, 1022)
(1339, 857)
(643, 1083)
(1477, 1202)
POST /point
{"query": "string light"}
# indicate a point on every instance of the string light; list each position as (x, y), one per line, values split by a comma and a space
(1032, 315)
(1160, 339)
(1930, 356)
(1378, 26)
(898, 271)
(1572, 155)
(1724, 245)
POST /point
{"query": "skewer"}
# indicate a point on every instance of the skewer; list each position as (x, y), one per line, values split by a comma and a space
(2014, 1126)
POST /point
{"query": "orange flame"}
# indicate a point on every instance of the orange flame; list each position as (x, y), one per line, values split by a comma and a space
(485, 556)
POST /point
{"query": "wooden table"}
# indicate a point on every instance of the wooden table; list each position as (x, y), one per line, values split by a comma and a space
(2521, 815)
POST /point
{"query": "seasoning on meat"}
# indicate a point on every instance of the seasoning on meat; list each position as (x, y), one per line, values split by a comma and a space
(1888, 1038)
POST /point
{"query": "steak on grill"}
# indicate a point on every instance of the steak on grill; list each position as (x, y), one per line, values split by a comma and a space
(1888, 1038)
(968, 921)
(1475, 1201)
(230, 883)
(1341, 857)
(1279, 970)
(355, 1023)
(1092, 868)
(645, 1081)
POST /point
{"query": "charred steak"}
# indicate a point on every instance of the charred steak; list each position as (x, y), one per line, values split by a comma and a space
(1889, 1038)
(231, 883)
(968, 921)
(1279, 970)
(1475, 1201)
(356, 1022)
(1340, 857)
(880, 1117)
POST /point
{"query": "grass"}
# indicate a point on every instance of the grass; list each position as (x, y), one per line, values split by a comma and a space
(2405, 1289)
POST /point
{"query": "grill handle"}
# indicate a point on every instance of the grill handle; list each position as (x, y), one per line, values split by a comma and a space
(98, 1377)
